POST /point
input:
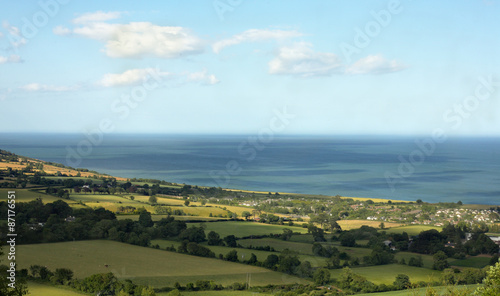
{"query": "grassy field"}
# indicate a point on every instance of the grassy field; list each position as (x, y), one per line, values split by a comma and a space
(423, 291)
(355, 224)
(412, 229)
(427, 259)
(244, 254)
(145, 266)
(218, 293)
(477, 262)
(243, 228)
(25, 195)
(385, 274)
(37, 289)
(159, 217)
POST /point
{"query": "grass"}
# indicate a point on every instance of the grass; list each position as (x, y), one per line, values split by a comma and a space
(37, 289)
(355, 224)
(159, 217)
(25, 195)
(278, 245)
(422, 291)
(427, 259)
(476, 262)
(412, 229)
(144, 266)
(244, 229)
(218, 293)
(386, 274)
(244, 254)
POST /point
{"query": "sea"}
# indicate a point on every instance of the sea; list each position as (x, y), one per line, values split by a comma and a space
(393, 167)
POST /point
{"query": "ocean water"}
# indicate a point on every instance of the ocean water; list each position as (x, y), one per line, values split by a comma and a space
(466, 169)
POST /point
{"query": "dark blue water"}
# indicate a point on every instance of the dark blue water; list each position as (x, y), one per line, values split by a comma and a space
(466, 169)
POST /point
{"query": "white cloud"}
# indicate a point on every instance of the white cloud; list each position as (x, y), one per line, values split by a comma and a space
(130, 77)
(60, 30)
(16, 39)
(139, 76)
(299, 59)
(202, 77)
(375, 64)
(11, 59)
(1, 34)
(135, 39)
(98, 16)
(49, 88)
(254, 35)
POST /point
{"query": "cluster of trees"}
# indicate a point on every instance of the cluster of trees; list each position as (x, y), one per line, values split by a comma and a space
(102, 284)
(432, 241)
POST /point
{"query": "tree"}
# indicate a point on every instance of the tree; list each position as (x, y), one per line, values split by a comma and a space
(232, 256)
(402, 282)
(440, 261)
(246, 214)
(214, 239)
(20, 288)
(230, 241)
(347, 239)
(287, 234)
(153, 199)
(271, 261)
(321, 276)
(382, 225)
(145, 219)
(186, 203)
(491, 284)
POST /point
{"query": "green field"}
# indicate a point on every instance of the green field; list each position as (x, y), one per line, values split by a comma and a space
(244, 254)
(218, 293)
(25, 195)
(243, 229)
(159, 217)
(412, 229)
(144, 266)
(427, 259)
(423, 291)
(37, 289)
(385, 274)
(476, 262)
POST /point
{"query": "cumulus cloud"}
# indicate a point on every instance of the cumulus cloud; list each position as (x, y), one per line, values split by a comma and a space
(47, 88)
(60, 30)
(130, 77)
(138, 76)
(16, 39)
(301, 60)
(254, 35)
(135, 39)
(202, 77)
(11, 59)
(98, 16)
(375, 64)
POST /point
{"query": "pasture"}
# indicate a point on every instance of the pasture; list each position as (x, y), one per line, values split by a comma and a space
(355, 224)
(245, 229)
(37, 289)
(385, 274)
(142, 265)
(413, 229)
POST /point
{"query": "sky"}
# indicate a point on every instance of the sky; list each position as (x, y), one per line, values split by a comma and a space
(250, 67)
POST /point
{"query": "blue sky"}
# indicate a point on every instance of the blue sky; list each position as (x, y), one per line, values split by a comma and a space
(233, 66)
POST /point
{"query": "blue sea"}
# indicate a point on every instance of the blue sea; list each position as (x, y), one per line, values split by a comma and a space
(406, 168)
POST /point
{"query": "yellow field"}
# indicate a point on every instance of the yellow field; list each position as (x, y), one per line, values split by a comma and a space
(354, 224)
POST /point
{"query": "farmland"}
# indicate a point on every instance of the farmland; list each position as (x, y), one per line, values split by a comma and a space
(245, 229)
(145, 266)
